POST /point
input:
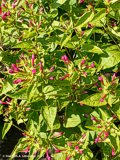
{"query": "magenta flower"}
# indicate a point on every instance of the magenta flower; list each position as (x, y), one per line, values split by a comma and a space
(101, 100)
(92, 65)
(81, 151)
(100, 89)
(51, 78)
(26, 150)
(33, 71)
(81, 1)
(1, 102)
(8, 13)
(100, 78)
(4, 16)
(96, 140)
(82, 62)
(113, 152)
(11, 71)
(33, 59)
(106, 134)
(47, 155)
(17, 81)
(68, 157)
(65, 59)
(15, 68)
(77, 148)
(114, 76)
(0, 10)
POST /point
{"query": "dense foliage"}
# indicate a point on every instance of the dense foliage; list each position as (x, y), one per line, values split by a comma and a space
(60, 62)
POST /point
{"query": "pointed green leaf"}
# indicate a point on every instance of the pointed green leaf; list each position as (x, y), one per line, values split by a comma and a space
(6, 128)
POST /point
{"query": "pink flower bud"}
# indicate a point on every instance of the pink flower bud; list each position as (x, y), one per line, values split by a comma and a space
(15, 68)
(100, 78)
(82, 62)
(8, 13)
(17, 81)
(69, 144)
(92, 65)
(113, 152)
(11, 71)
(33, 71)
(1, 102)
(4, 16)
(13, 5)
(96, 140)
(0, 10)
(100, 89)
(81, 1)
(51, 78)
(65, 59)
(68, 157)
(26, 150)
(77, 148)
(33, 59)
(106, 134)
(47, 155)
(101, 100)
(81, 151)
(114, 76)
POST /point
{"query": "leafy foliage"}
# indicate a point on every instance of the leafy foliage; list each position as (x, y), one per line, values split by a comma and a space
(60, 62)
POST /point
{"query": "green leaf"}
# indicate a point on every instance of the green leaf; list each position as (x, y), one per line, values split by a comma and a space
(6, 128)
(72, 2)
(91, 48)
(84, 19)
(72, 117)
(65, 39)
(94, 100)
(110, 61)
(58, 3)
(21, 94)
(49, 114)
(59, 156)
(23, 45)
(49, 92)
(98, 16)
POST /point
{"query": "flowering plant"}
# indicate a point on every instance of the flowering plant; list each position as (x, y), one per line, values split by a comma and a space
(60, 65)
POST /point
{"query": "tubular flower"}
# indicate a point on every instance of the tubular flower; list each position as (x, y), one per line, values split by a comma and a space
(64, 77)
(15, 68)
(33, 59)
(17, 81)
(47, 155)
(33, 71)
(65, 59)
(113, 152)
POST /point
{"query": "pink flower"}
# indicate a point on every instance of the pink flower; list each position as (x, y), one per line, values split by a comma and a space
(1, 102)
(100, 89)
(11, 71)
(8, 13)
(0, 10)
(4, 16)
(113, 152)
(26, 150)
(101, 100)
(33, 59)
(68, 157)
(96, 140)
(100, 78)
(65, 59)
(81, 151)
(114, 76)
(17, 81)
(69, 144)
(82, 62)
(77, 148)
(15, 68)
(47, 155)
(51, 78)
(33, 71)
(92, 65)
(106, 134)
(81, 1)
